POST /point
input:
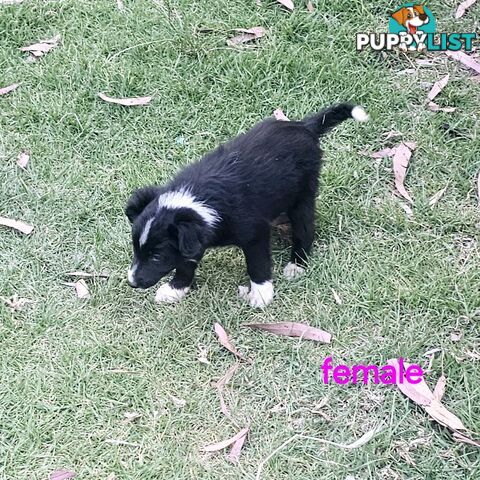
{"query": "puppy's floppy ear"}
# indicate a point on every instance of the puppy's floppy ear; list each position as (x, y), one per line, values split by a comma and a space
(139, 200)
(400, 16)
(419, 8)
(188, 229)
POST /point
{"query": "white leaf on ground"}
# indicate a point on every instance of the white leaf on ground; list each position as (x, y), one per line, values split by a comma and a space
(310, 7)
(15, 303)
(287, 4)
(22, 160)
(463, 7)
(419, 393)
(17, 225)
(178, 402)
(61, 475)
(131, 416)
(293, 329)
(459, 437)
(366, 437)
(467, 60)
(438, 87)
(336, 296)
(120, 5)
(41, 48)
(9, 88)
(439, 390)
(434, 199)
(215, 447)
(391, 134)
(246, 35)
(225, 341)
(220, 385)
(202, 356)
(432, 106)
(279, 115)
(401, 159)
(386, 152)
(236, 450)
(126, 102)
(406, 208)
(82, 289)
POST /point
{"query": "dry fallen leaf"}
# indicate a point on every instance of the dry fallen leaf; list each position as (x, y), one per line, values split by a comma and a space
(15, 303)
(391, 134)
(421, 394)
(126, 102)
(80, 274)
(434, 199)
(459, 437)
(432, 106)
(17, 225)
(336, 296)
(22, 160)
(202, 356)
(401, 158)
(386, 152)
(41, 48)
(82, 289)
(220, 385)
(234, 454)
(10, 88)
(178, 402)
(310, 7)
(463, 7)
(131, 416)
(246, 35)
(438, 87)
(287, 4)
(465, 59)
(439, 390)
(215, 447)
(406, 209)
(225, 341)
(61, 475)
(279, 115)
(293, 329)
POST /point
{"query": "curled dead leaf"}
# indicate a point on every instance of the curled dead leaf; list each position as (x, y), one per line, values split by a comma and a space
(287, 4)
(279, 115)
(467, 60)
(438, 87)
(215, 447)
(61, 475)
(225, 341)
(41, 48)
(9, 88)
(220, 385)
(439, 390)
(401, 158)
(16, 225)
(432, 106)
(434, 199)
(178, 402)
(462, 8)
(23, 159)
(293, 329)
(310, 7)
(246, 35)
(234, 455)
(126, 102)
(81, 288)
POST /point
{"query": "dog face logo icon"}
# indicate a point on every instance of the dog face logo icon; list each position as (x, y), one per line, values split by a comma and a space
(412, 18)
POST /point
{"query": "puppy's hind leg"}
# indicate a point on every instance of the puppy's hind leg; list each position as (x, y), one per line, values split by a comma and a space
(259, 267)
(179, 285)
(302, 217)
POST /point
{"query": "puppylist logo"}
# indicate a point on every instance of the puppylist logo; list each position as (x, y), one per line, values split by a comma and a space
(412, 28)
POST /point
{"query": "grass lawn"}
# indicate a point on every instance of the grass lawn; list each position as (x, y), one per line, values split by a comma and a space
(70, 369)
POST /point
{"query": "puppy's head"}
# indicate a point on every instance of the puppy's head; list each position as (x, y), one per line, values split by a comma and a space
(162, 237)
(411, 17)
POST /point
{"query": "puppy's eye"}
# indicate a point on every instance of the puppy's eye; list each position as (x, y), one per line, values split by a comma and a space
(157, 257)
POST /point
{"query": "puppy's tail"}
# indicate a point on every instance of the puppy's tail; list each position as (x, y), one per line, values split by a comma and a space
(323, 121)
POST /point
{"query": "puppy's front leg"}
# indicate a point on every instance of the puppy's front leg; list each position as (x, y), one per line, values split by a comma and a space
(259, 267)
(179, 285)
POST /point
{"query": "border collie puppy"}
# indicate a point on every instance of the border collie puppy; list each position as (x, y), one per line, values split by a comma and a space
(230, 197)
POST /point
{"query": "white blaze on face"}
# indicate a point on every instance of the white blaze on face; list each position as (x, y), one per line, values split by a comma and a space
(146, 230)
(131, 273)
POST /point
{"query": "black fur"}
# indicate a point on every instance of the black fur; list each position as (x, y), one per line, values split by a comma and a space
(249, 181)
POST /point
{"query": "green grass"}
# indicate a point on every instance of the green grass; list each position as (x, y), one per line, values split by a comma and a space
(71, 369)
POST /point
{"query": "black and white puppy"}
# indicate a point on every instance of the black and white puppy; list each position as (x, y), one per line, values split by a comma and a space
(230, 197)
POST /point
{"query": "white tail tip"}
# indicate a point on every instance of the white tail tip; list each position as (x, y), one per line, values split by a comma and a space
(359, 114)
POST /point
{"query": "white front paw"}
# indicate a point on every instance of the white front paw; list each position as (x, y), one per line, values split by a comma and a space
(260, 294)
(167, 293)
(292, 270)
